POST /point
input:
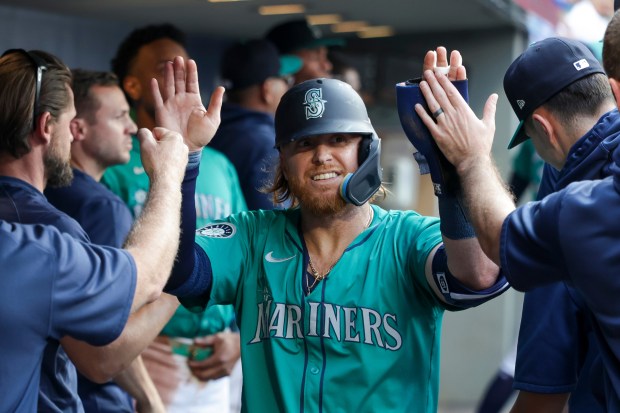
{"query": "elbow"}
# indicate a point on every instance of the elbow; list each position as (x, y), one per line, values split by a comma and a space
(483, 274)
(490, 248)
(488, 276)
(99, 364)
(154, 295)
(101, 372)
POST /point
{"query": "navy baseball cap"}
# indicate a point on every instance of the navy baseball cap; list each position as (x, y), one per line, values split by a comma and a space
(295, 35)
(544, 69)
(250, 63)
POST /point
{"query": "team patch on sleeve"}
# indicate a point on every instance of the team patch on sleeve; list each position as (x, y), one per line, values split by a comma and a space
(219, 230)
(452, 292)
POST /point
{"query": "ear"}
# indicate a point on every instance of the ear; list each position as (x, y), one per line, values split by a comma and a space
(78, 129)
(44, 127)
(132, 86)
(265, 92)
(615, 88)
(543, 123)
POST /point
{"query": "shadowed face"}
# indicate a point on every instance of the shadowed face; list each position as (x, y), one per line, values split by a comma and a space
(57, 158)
(149, 63)
(316, 64)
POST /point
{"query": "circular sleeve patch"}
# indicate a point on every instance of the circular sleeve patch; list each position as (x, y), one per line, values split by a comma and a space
(220, 230)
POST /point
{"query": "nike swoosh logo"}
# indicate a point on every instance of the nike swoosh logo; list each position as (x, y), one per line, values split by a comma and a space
(270, 258)
(138, 170)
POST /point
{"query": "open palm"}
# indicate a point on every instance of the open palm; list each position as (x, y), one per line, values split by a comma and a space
(179, 107)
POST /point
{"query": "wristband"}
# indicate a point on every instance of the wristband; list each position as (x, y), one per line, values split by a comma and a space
(193, 159)
(453, 219)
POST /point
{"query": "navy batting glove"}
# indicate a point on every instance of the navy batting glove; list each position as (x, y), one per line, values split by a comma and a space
(429, 157)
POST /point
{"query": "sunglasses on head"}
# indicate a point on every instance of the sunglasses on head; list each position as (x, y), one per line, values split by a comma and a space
(41, 66)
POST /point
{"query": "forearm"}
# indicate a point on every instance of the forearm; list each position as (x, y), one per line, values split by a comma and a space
(469, 264)
(154, 239)
(136, 381)
(184, 265)
(488, 202)
(102, 363)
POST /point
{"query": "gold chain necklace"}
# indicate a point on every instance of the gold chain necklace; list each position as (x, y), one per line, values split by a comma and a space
(317, 275)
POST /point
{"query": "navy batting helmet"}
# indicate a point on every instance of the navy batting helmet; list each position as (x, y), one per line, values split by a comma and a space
(325, 106)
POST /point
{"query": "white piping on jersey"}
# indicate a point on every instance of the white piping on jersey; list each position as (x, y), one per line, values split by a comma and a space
(465, 297)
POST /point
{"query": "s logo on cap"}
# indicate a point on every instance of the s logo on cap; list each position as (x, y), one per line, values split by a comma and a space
(315, 105)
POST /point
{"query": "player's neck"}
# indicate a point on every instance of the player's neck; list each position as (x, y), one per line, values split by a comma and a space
(326, 236)
(89, 166)
(28, 168)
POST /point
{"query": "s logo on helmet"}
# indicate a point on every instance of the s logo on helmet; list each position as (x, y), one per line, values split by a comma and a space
(315, 105)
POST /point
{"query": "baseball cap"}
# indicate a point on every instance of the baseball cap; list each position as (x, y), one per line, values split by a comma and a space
(294, 35)
(250, 63)
(544, 69)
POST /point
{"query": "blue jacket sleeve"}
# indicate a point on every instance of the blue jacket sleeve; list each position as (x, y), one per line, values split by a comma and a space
(190, 277)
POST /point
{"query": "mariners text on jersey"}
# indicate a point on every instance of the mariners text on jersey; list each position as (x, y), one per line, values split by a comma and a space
(348, 324)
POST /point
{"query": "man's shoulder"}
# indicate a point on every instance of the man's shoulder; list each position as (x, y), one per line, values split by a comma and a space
(26, 205)
(217, 172)
(250, 220)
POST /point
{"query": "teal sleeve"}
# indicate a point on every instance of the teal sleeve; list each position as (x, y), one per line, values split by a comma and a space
(226, 244)
(426, 235)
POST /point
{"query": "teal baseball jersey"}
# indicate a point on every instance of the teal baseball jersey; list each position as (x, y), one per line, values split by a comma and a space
(218, 194)
(366, 339)
(218, 191)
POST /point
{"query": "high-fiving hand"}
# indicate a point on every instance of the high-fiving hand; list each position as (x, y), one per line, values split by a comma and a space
(460, 135)
(437, 61)
(179, 106)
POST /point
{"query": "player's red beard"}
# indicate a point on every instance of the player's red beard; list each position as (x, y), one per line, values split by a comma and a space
(327, 203)
(57, 167)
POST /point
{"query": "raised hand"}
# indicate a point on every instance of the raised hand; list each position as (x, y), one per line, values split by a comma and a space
(163, 153)
(178, 107)
(437, 61)
(460, 135)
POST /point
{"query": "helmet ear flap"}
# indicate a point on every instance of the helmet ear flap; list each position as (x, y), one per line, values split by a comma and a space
(364, 149)
(357, 188)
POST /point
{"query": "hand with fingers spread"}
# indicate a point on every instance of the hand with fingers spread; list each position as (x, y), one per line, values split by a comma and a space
(437, 61)
(179, 107)
(461, 136)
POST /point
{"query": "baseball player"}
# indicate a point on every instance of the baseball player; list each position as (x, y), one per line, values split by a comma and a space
(576, 137)
(543, 242)
(339, 302)
(101, 133)
(139, 58)
(35, 150)
(80, 290)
